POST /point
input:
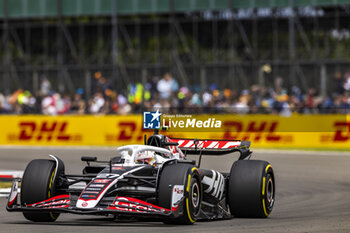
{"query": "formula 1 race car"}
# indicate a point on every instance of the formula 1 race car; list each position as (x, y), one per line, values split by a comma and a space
(154, 180)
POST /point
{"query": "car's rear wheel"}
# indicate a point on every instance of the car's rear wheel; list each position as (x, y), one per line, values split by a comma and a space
(38, 184)
(251, 189)
(187, 177)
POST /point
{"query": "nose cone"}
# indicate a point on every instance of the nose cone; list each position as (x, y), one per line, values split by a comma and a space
(93, 192)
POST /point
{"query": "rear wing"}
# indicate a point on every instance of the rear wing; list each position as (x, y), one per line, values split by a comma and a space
(212, 147)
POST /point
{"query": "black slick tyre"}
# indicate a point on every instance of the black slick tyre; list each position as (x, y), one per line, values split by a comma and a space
(188, 176)
(251, 189)
(38, 185)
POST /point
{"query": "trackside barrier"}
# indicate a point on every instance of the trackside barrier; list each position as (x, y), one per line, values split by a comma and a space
(265, 131)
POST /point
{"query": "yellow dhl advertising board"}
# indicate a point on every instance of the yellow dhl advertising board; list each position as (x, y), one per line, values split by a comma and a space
(264, 131)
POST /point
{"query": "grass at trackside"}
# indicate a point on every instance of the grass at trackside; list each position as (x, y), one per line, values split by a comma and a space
(5, 185)
(305, 149)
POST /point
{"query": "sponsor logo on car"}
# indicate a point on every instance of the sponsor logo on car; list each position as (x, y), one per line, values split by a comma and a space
(102, 181)
(93, 189)
(178, 190)
(135, 205)
(53, 203)
(178, 194)
(118, 168)
(85, 196)
(91, 192)
(97, 185)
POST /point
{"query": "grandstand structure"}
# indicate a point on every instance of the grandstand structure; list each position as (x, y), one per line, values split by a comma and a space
(233, 43)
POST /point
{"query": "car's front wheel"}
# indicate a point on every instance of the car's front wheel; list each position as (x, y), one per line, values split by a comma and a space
(38, 184)
(187, 177)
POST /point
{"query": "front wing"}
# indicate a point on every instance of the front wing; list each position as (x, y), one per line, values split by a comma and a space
(120, 206)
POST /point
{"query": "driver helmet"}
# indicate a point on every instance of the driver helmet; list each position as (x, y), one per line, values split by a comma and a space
(146, 157)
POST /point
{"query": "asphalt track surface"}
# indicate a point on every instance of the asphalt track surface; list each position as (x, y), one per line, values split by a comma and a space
(313, 195)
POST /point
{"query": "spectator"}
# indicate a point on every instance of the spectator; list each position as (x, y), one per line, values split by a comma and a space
(62, 104)
(338, 84)
(26, 102)
(2, 104)
(124, 107)
(347, 82)
(48, 105)
(97, 104)
(103, 85)
(45, 87)
(310, 98)
(207, 99)
(345, 104)
(167, 86)
(242, 105)
(38, 101)
(77, 106)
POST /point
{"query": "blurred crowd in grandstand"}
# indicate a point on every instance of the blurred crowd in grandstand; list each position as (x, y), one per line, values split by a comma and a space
(166, 94)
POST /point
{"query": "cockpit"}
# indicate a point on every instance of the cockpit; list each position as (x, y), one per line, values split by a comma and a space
(141, 154)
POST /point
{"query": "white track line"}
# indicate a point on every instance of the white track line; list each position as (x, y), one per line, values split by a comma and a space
(5, 192)
(12, 173)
